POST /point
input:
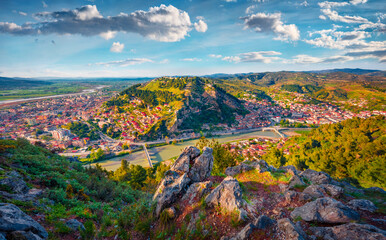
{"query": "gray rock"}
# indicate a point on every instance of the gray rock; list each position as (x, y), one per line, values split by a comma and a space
(228, 195)
(351, 189)
(325, 210)
(188, 168)
(243, 215)
(202, 166)
(376, 189)
(75, 225)
(14, 174)
(293, 195)
(322, 190)
(244, 233)
(290, 231)
(30, 196)
(23, 235)
(169, 189)
(316, 177)
(296, 181)
(13, 219)
(196, 191)
(349, 231)
(16, 185)
(263, 222)
(243, 167)
(183, 161)
(290, 169)
(362, 204)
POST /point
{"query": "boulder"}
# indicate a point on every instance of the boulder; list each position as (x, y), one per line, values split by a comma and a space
(244, 233)
(202, 166)
(325, 210)
(74, 225)
(322, 190)
(316, 177)
(351, 189)
(300, 196)
(189, 167)
(22, 235)
(289, 169)
(263, 222)
(29, 196)
(349, 231)
(290, 231)
(172, 186)
(13, 219)
(16, 185)
(296, 181)
(228, 195)
(184, 160)
(243, 167)
(362, 204)
(196, 191)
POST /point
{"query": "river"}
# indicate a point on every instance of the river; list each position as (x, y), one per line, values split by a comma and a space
(163, 153)
(86, 91)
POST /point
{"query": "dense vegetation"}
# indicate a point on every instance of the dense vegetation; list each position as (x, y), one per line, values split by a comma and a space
(82, 130)
(300, 89)
(110, 203)
(150, 98)
(354, 150)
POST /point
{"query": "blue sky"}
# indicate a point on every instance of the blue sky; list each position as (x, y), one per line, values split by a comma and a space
(123, 38)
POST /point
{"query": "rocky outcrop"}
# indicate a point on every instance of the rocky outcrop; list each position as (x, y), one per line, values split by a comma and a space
(202, 166)
(24, 197)
(74, 225)
(15, 185)
(325, 210)
(290, 169)
(263, 222)
(243, 167)
(300, 196)
(171, 186)
(290, 231)
(189, 167)
(12, 220)
(197, 191)
(322, 190)
(349, 231)
(296, 181)
(228, 195)
(362, 204)
(316, 177)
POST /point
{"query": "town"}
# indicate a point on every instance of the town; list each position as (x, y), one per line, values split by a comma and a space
(113, 129)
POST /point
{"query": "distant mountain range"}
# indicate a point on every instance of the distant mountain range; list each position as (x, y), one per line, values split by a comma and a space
(11, 83)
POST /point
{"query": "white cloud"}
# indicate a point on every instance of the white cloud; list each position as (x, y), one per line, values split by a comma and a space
(22, 13)
(306, 59)
(356, 2)
(191, 59)
(215, 55)
(117, 47)
(304, 4)
(271, 23)
(230, 0)
(262, 56)
(333, 39)
(163, 23)
(334, 16)
(329, 5)
(108, 35)
(200, 26)
(44, 4)
(251, 9)
(126, 62)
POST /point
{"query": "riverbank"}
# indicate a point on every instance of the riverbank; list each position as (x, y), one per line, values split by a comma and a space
(162, 153)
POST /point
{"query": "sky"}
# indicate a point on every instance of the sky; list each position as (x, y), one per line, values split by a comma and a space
(124, 38)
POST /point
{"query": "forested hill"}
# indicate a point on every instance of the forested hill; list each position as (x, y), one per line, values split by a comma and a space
(354, 150)
(178, 103)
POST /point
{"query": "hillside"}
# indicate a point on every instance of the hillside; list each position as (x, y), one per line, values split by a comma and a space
(165, 106)
(19, 83)
(44, 196)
